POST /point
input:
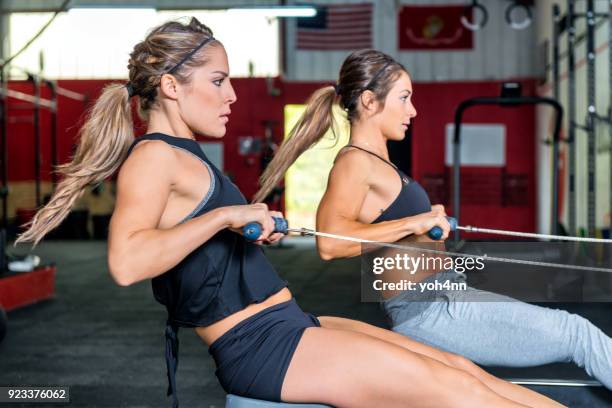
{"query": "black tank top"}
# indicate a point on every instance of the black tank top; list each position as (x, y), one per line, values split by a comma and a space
(220, 277)
(411, 200)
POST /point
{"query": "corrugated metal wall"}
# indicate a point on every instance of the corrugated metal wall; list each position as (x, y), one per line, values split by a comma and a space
(500, 52)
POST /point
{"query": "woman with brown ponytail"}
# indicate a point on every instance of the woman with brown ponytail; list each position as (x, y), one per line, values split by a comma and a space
(387, 206)
(177, 222)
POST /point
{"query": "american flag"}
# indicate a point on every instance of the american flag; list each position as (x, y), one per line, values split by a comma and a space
(336, 27)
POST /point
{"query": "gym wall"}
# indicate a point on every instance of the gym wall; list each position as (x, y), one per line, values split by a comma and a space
(435, 102)
(602, 91)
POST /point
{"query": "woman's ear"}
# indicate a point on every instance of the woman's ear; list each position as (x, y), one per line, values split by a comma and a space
(368, 101)
(168, 86)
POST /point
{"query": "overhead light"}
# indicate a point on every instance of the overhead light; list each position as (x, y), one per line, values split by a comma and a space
(278, 11)
(78, 5)
(104, 9)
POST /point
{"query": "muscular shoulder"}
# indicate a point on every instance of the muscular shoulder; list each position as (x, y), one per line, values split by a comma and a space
(150, 152)
(354, 164)
(149, 158)
(152, 149)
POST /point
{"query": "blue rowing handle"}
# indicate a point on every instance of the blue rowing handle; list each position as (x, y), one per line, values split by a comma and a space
(252, 230)
(436, 232)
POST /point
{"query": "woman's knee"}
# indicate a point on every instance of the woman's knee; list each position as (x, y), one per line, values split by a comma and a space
(469, 366)
(460, 362)
(458, 382)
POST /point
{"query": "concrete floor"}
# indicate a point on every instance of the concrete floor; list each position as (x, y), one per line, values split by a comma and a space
(107, 343)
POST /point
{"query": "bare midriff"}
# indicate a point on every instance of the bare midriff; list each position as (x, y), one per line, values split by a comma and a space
(211, 333)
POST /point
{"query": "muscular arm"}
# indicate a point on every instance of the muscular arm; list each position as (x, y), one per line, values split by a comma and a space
(341, 204)
(138, 249)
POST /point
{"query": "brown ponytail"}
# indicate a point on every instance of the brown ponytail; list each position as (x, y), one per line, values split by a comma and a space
(316, 120)
(362, 70)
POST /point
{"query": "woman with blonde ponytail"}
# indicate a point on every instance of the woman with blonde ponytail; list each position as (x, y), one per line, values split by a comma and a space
(385, 205)
(177, 221)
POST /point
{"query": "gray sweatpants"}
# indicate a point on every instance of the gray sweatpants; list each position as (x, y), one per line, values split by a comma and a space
(502, 331)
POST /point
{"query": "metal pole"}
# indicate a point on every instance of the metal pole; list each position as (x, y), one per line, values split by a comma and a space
(610, 109)
(54, 156)
(4, 146)
(591, 116)
(555, 146)
(36, 122)
(571, 113)
(3, 257)
(555, 49)
(457, 171)
(3, 142)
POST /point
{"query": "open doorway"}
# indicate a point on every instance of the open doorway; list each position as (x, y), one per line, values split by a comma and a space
(306, 179)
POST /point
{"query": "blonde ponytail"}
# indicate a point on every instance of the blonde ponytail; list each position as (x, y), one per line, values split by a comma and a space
(104, 141)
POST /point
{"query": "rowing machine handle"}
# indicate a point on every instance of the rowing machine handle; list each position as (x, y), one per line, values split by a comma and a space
(436, 232)
(252, 230)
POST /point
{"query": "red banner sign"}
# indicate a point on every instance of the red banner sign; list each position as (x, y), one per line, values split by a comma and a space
(433, 28)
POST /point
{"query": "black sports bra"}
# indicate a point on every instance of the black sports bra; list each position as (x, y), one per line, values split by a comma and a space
(411, 200)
